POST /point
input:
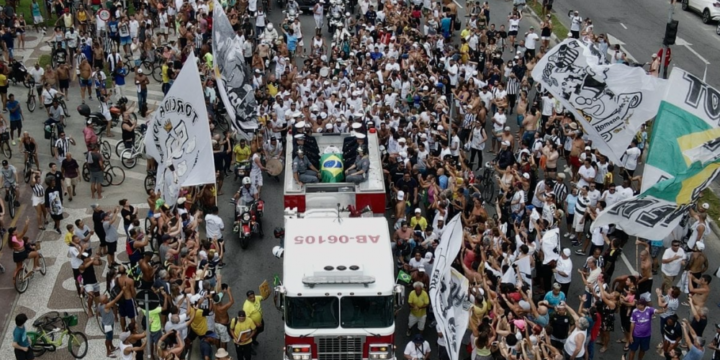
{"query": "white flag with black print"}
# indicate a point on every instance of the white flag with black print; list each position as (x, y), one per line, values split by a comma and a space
(233, 74)
(178, 137)
(610, 101)
(449, 289)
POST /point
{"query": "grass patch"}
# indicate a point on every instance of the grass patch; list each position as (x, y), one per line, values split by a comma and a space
(709, 197)
(44, 60)
(558, 28)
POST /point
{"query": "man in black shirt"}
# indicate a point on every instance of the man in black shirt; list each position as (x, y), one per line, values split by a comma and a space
(411, 184)
(561, 323)
(371, 15)
(504, 157)
(97, 217)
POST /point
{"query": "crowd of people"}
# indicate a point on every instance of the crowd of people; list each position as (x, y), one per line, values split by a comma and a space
(454, 106)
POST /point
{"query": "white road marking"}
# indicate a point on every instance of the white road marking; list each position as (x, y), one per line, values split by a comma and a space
(458, 4)
(623, 25)
(627, 263)
(682, 42)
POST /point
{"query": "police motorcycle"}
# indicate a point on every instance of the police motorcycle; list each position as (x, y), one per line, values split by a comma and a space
(279, 250)
(248, 218)
(335, 15)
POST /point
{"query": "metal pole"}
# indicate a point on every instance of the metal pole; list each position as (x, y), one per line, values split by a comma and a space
(665, 47)
(148, 351)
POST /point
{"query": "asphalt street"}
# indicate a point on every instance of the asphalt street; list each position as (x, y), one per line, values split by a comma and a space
(246, 269)
(639, 26)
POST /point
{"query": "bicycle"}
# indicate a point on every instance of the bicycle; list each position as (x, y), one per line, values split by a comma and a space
(84, 297)
(29, 163)
(139, 137)
(11, 198)
(51, 128)
(129, 157)
(5, 144)
(49, 336)
(22, 279)
(487, 182)
(150, 180)
(31, 97)
(105, 148)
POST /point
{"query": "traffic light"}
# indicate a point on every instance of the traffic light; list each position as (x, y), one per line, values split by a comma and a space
(670, 33)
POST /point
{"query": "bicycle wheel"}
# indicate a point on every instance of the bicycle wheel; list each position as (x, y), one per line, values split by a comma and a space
(118, 175)
(12, 205)
(488, 192)
(43, 267)
(148, 67)
(157, 74)
(119, 147)
(22, 280)
(27, 173)
(105, 150)
(127, 158)
(6, 149)
(65, 110)
(31, 104)
(86, 173)
(107, 179)
(37, 343)
(83, 301)
(78, 344)
(149, 182)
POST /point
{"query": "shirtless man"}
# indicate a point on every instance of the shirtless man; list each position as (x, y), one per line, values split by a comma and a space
(222, 320)
(126, 305)
(699, 293)
(508, 136)
(529, 123)
(50, 76)
(148, 272)
(63, 75)
(85, 82)
(578, 146)
(645, 278)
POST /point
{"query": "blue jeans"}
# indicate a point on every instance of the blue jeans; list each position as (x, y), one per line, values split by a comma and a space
(142, 98)
(165, 88)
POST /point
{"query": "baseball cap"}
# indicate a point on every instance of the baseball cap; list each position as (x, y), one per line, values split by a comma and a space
(417, 338)
(556, 286)
(700, 245)
(95, 206)
(140, 71)
(360, 135)
(507, 128)
(566, 251)
(417, 211)
(561, 304)
(401, 195)
(4, 162)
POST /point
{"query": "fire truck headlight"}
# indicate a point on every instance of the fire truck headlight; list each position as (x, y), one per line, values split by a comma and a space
(299, 352)
(380, 351)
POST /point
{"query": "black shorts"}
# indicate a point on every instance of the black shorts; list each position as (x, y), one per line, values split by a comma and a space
(24, 355)
(98, 63)
(548, 8)
(102, 239)
(56, 217)
(19, 257)
(3, 89)
(76, 273)
(512, 33)
(64, 84)
(15, 125)
(111, 247)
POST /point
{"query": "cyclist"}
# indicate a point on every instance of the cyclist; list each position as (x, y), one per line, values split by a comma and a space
(10, 179)
(29, 147)
(57, 114)
(48, 95)
(105, 110)
(21, 249)
(128, 131)
(89, 279)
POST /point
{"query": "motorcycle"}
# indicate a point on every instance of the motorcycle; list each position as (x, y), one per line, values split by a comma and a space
(99, 119)
(336, 21)
(242, 169)
(248, 221)
(18, 73)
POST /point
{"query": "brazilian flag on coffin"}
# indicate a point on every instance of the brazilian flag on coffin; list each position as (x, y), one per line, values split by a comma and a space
(331, 168)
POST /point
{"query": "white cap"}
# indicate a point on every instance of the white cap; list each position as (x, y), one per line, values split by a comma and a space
(356, 125)
(360, 136)
(402, 154)
(588, 148)
(418, 211)
(526, 175)
(566, 251)
(401, 195)
(401, 140)
(700, 245)
(507, 128)
(300, 124)
(329, 126)
(440, 128)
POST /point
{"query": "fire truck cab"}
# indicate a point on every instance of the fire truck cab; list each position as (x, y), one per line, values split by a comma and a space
(338, 294)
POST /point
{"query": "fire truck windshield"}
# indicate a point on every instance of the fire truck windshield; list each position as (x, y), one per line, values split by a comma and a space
(329, 313)
(366, 311)
(312, 312)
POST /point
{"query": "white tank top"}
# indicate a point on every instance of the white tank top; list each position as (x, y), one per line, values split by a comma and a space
(123, 356)
(694, 235)
(570, 344)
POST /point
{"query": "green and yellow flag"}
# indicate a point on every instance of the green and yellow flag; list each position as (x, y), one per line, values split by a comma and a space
(332, 168)
(404, 277)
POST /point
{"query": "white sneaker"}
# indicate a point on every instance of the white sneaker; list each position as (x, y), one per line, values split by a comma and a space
(566, 234)
(572, 237)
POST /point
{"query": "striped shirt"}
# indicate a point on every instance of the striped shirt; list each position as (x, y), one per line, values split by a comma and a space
(581, 205)
(513, 86)
(198, 41)
(561, 191)
(38, 190)
(468, 121)
(61, 147)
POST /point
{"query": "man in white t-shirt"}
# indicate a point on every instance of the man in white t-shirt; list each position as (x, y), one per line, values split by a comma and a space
(531, 39)
(499, 120)
(610, 196)
(575, 23)
(586, 174)
(418, 348)
(630, 160)
(672, 263)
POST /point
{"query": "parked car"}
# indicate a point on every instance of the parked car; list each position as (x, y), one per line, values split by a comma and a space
(709, 9)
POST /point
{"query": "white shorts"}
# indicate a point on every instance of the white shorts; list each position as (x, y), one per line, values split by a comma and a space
(301, 42)
(38, 19)
(92, 288)
(37, 200)
(162, 30)
(577, 225)
(545, 38)
(221, 331)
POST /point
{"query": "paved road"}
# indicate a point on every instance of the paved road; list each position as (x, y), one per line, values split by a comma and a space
(640, 25)
(246, 269)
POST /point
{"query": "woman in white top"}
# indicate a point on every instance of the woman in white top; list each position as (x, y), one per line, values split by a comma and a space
(575, 343)
(38, 199)
(127, 350)
(698, 230)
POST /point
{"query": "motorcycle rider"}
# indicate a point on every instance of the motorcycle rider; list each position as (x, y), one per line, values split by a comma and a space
(335, 15)
(341, 34)
(247, 193)
(293, 7)
(270, 34)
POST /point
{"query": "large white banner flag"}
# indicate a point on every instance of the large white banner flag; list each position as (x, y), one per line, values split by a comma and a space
(683, 159)
(449, 289)
(233, 75)
(610, 101)
(178, 137)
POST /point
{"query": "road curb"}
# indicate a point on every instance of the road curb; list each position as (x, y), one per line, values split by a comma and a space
(537, 17)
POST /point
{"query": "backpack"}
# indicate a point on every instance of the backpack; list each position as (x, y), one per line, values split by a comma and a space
(129, 247)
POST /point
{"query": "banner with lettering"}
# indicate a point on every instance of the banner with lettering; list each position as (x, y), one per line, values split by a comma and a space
(449, 289)
(233, 75)
(178, 137)
(683, 159)
(610, 101)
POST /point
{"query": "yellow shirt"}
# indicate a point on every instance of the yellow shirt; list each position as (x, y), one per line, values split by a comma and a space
(165, 76)
(3, 80)
(238, 327)
(81, 16)
(199, 324)
(419, 300)
(253, 310)
(465, 33)
(414, 221)
(272, 89)
(241, 154)
(68, 238)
